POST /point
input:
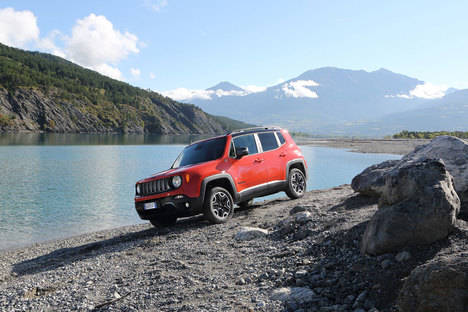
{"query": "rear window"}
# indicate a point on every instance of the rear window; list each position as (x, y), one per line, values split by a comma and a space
(280, 137)
(246, 141)
(268, 140)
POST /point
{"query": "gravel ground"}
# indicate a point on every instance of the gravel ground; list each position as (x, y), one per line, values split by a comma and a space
(385, 146)
(309, 261)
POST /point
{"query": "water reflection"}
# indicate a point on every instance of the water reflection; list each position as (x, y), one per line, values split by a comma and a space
(94, 139)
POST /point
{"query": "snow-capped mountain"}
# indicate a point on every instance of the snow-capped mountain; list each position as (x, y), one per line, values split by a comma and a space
(320, 99)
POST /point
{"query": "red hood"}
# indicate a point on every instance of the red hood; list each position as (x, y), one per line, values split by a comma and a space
(169, 173)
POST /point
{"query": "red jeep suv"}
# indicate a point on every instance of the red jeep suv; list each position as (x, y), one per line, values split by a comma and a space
(212, 175)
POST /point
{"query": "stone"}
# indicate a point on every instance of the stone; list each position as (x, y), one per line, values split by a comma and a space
(385, 264)
(439, 285)
(403, 256)
(418, 205)
(293, 294)
(371, 181)
(250, 233)
(453, 151)
(297, 209)
(303, 217)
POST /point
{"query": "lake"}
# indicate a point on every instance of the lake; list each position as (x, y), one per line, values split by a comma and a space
(56, 186)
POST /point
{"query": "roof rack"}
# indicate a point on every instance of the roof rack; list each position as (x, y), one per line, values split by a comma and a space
(238, 131)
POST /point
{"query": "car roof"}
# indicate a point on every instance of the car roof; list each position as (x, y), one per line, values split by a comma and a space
(254, 130)
(239, 132)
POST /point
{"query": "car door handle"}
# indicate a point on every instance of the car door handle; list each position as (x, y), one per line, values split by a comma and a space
(259, 160)
(282, 155)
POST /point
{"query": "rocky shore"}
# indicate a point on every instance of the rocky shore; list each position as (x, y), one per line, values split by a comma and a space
(323, 252)
(307, 258)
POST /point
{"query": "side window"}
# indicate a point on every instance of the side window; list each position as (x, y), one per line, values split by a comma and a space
(246, 141)
(280, 137)
(268, 141)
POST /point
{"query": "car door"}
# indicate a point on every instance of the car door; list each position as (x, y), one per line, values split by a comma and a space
(250, 170)
(273, 156)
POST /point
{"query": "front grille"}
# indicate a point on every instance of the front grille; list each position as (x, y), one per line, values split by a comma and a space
(155, 187)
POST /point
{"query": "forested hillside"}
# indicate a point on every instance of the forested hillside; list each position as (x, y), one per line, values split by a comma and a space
(42, 92)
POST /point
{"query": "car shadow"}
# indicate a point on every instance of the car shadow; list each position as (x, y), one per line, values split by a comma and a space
(66, 256)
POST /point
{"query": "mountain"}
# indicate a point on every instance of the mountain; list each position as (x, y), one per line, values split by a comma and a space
(225, 86)
(449, 113)
(322, 97)
(42, 92)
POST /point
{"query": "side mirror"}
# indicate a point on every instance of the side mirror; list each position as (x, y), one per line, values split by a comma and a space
(241, 152)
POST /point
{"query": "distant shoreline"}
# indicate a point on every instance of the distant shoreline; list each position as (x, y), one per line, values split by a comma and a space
(379, 146)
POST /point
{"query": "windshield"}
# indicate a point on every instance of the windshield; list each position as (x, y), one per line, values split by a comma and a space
(201, 152)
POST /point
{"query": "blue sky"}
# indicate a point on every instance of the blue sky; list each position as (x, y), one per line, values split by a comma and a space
(169, 44)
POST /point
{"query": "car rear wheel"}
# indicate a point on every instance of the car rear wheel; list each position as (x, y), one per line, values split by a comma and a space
(163, 221)
(296, 184)
(218, 206)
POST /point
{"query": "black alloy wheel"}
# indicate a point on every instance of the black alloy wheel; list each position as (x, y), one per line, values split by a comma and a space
(219, 206)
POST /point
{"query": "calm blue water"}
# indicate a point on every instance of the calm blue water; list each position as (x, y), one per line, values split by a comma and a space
(55, 191)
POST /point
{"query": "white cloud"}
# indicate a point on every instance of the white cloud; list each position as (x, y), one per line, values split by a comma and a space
(299, 88)
(152, 76)
(184, 94)
(429, 91)
(156, 5)
(18, 28)
(135, 72)
(253, 89)
(94, 43)
(109, 71)
(426, 90)
(48, 44)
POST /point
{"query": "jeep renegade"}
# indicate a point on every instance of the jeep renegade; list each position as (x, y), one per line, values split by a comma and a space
(212, 175)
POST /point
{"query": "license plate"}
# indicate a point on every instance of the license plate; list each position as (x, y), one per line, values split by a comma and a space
(149, 206)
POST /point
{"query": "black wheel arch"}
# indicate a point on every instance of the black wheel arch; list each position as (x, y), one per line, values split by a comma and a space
(221, 179)
(296, 163)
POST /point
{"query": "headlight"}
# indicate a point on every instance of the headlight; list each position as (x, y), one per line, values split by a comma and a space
(176, 181)
(138, 189)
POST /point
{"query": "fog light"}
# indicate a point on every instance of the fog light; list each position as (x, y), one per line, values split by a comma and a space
(179, 197)
(187, 205)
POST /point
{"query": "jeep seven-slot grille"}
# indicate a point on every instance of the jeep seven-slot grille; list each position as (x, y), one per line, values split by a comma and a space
(155, 187)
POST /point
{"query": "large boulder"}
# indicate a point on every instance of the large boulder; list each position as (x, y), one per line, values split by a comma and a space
(372, 180)
(440, 285)
(418, 205)
(453, 151)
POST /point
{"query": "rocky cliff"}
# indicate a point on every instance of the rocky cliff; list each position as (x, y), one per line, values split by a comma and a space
(42, 92)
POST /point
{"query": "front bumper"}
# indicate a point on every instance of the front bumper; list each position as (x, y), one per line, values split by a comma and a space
(179, 205)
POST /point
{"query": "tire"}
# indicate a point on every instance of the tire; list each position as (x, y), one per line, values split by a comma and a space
(296, 184)
(218, 206)
(245, 204)
(164, 220)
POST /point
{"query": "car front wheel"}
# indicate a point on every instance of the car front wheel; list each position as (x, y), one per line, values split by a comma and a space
(218, 206)
(296, 184)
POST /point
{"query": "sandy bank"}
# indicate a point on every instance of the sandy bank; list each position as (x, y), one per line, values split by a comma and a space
(385, 146)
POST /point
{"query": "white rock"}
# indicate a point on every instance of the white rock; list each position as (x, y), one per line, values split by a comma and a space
(303, 217)
(249, 233)
(293, 294)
